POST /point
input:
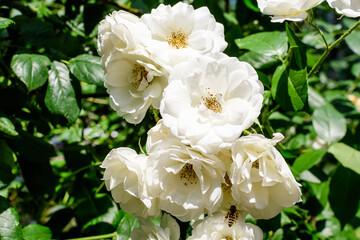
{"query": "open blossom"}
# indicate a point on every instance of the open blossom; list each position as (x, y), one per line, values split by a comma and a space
(180, 32)
(188, 181)
(292, 10)
(350, 8)
(133, 78)
(210, 100)
(216, 227)
(168, 230)
(121, 31)
(125, 177)
(134, 81)
(262, 181)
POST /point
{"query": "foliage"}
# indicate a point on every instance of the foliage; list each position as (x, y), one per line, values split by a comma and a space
(56, 125)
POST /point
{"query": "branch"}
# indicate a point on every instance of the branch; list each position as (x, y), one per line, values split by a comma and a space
(330, 48)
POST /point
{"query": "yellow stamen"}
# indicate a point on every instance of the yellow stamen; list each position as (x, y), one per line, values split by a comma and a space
(138, 75)
(188, 175)
(211, 102)
(178, 39)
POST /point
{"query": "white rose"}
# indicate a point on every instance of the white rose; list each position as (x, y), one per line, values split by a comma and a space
(292, 10)
(125, 177)
(187, 182)
(180, 32)
(216, 227)
(121, 31)
(262, 181)
(134, 82)
(210, 100)
(350, 8)
(168, 230)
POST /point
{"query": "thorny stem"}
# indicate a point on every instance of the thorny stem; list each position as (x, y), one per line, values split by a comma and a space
(325, 44)
(314, 25)
(330, 48)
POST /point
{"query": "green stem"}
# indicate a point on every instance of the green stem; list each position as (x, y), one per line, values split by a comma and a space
(155, 113)
(326, 46)
(330, 48)
(109, 235)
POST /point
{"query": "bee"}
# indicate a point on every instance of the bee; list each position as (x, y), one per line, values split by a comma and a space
(232, 215)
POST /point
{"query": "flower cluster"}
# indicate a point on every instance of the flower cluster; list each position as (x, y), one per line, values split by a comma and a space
(295, 10)
(198, 161)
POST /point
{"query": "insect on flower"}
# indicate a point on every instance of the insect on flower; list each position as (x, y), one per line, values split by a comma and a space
(232, 215)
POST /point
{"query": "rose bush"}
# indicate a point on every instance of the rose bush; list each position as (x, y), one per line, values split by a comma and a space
(65, 111)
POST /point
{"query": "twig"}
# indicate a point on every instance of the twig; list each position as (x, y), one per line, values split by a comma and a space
(330, 48)
(123, 7)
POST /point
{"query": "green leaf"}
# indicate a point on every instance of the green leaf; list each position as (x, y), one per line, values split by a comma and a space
(298, 50)
(289, 83)
(279, 87)
(297, 88)
(127, 224)
(7, 126)
(10, 228)
(5, 22)
(31, 69)
(6, 154)
(320, 191)
(111, 215)
(6, 176)
(355, 69)
(346, 155)
(329, 124)
(289, 88)
(6, 163)
(36, 232)
(87, 68)
(257, 60)
(315, 98)
(278, 235)
(249, 4)
(307, 160)
(60, 95)
(265, 43)
(353, 42)
(344, 194)
(264, 79)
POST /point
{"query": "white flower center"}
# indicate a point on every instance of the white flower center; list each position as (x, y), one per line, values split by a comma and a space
(188, 175)
(227, 237)
(178, 39)
(138, 78)
(212, 102)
